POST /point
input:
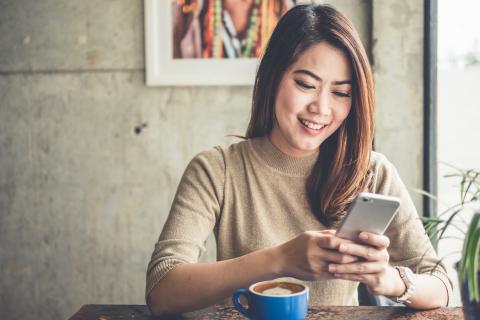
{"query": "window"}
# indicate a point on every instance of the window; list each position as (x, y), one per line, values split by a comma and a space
(458, 108)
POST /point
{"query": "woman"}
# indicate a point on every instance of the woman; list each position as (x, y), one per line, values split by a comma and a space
(274, 200)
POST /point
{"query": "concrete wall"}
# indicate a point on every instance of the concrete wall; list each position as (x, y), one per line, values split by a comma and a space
(83, 197)
(397, 50)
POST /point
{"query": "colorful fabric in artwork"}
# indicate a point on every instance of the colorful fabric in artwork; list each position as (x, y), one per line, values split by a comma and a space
(209, 28)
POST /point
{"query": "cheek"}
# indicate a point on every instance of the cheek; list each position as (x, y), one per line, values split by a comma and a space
(344, 111)
(290, 100)
(286, 106)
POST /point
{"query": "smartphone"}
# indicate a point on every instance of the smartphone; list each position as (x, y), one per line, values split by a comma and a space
(369, 212)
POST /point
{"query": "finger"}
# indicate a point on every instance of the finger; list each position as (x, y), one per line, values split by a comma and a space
(316, 272)
(331, 242)
(330, 231)
(357, 268)
(377, 240)
(335, 256)
(367, 279)
(363, 251)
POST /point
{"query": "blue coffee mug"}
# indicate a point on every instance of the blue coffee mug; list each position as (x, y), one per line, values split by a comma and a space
(263, 306)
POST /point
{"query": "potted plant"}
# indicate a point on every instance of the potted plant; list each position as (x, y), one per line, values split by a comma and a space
(468, 267)
(468, 270)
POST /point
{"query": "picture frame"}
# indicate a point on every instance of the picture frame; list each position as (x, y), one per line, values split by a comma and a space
(163, 70)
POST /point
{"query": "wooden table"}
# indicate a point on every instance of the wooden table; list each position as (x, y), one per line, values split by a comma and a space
(137, 312)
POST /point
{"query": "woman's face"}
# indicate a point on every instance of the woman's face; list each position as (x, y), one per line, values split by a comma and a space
(314, 97)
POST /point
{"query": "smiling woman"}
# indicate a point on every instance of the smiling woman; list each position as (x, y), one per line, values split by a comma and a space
(345, 67)
(312, 102)
(274, 200)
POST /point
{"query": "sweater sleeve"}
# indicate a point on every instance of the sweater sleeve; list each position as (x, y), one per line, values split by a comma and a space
(194, 212)
(410, 246)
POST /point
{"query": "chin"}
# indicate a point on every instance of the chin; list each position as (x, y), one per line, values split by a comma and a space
(307, 146)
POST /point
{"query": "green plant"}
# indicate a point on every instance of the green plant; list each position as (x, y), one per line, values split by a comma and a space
(468, 267)
(454, 217)
(469, 196)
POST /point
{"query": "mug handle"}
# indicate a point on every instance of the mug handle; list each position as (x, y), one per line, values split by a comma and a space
(239, 306)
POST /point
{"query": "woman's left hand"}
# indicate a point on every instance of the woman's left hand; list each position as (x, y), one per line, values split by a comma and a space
(373, 270)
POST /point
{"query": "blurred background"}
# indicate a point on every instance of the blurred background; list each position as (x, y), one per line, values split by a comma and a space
(90, 157)
(458, 110)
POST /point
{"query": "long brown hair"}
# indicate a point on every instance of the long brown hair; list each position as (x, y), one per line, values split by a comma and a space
(341, 169)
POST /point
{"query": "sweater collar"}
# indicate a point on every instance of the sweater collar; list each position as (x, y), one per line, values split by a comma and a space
(276, 159)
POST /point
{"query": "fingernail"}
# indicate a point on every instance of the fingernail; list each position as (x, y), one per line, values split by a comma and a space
(363, 236)
(336, 275)
(342, 248)
(331, 268)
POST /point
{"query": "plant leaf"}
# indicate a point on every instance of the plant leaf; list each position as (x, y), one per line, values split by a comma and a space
(425, 193)
(468, 268)
(449, 221)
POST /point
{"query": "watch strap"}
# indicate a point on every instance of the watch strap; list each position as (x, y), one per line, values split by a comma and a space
(408, 278)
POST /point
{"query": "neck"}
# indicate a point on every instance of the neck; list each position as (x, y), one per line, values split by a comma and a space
(281, 144)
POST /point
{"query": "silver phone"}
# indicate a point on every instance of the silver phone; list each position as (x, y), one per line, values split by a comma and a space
(369, 212)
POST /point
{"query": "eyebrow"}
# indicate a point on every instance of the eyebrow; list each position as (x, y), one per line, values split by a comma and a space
(313, 75)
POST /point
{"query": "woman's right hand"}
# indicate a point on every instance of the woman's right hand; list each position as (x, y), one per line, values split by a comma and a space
(306, 257)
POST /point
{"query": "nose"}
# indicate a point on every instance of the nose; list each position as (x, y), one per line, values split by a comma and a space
(320, 104)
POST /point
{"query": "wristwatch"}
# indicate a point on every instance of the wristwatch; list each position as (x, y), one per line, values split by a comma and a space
(408, 278)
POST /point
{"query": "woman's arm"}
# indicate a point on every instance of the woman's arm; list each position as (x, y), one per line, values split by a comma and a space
(383, 279)
(190, 287)
(408, 243)
(430, 293)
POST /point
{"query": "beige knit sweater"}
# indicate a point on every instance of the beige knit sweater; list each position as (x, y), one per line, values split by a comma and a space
(251, 195)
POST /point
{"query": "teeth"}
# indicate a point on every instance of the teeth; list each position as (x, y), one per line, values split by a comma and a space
(311, 125)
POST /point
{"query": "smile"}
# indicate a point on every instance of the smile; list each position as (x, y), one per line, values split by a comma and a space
(311, 125)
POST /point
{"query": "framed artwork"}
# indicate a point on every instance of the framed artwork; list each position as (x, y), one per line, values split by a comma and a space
(207, 42)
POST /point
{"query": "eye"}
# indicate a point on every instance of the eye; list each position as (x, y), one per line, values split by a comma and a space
(342, 94)
(304, 84)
